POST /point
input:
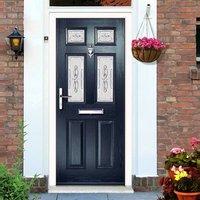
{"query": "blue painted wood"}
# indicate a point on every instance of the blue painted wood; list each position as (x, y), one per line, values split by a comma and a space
(91, 148)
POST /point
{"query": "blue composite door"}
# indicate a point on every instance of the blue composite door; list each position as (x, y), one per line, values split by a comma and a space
(90, 135)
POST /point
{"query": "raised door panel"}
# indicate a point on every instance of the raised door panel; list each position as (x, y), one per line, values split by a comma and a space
(76, 144)
(105, 156)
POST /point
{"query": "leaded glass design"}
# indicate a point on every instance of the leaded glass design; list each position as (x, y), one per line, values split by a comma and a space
(105, 36)
(105, 78)
(76, 78)
(75, 36)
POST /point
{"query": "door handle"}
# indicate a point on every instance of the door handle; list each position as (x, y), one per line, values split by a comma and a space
(61, 97)
(91, 112)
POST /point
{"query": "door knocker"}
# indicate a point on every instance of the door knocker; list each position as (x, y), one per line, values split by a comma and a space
(90, 51)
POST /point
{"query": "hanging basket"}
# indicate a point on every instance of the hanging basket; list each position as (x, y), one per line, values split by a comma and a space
(146, 55)
(147, 49)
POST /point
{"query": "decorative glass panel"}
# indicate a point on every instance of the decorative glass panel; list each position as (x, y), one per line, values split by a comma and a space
(105, 78)
(75, 36)
(76, 78)
(90, 2)
(105, 36)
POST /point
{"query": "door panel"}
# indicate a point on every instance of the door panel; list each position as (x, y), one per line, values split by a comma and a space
(105, 144)
(76, 144)
(90, 122)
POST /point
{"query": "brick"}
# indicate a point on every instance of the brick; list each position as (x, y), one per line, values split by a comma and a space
(12, 15)
(11, 81)
(145, 184)
(170, 99)
(178, 95)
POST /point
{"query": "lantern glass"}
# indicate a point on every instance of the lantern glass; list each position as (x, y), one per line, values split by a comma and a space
(15, 44)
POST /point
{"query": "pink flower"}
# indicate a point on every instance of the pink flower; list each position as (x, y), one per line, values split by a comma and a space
(194, 142)
(173, 168)
(148, 43)
(177, 150)
(180, 169)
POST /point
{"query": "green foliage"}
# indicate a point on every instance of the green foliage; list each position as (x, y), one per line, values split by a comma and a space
(18, 165)
(182, 159)
(188, 185)
(179, 162)
(13, 186)
(195, 157)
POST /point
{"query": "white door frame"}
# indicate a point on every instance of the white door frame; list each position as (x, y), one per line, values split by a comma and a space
(128, 87)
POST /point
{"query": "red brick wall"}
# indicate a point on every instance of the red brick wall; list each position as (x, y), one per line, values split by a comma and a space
(11, 81)
(178, 96)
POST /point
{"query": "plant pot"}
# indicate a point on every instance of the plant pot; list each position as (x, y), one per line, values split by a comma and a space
(187, 195)
(147, 55)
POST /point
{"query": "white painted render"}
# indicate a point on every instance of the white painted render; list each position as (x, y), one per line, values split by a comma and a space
(33, 88)
(39, 93)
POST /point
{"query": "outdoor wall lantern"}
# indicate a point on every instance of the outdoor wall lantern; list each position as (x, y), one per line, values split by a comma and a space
(16, 42)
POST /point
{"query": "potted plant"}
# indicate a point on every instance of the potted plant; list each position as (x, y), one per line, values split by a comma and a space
(183, 178)
(177, 157)
(147, 49)
(187, 185)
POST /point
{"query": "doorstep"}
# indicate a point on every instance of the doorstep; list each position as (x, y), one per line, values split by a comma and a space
(94, 196)
(90, 189)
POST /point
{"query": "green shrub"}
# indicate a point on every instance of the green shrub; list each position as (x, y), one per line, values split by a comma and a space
(13, 186)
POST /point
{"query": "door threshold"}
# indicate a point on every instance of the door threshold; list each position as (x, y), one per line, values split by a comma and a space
(90, 189)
